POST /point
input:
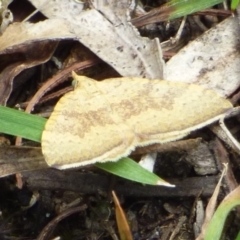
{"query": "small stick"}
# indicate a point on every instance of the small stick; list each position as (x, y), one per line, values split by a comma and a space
(90, 183)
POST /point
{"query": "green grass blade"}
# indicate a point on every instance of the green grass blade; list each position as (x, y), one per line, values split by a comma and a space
(238, 236)
(215, 227)
(185, 7)
(129, 169)
(234, 4)
(21, 124)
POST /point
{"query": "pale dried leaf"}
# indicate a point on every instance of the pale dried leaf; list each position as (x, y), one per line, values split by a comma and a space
(7, 19)
(212, 60)
(4, 4)
(142, 56)
(108, 32)
(148, 160)
(58, 8)
(128, 57)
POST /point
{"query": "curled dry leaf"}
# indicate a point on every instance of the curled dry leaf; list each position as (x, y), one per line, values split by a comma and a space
(25, 33)
(105, 121)
(33, 54)
(25, 45)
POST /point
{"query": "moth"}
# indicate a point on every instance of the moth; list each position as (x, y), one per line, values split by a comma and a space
(105, 120)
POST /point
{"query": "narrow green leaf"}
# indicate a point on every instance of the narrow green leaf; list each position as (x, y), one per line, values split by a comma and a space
(234, 4)
(238, 236)
(129, 169)
(185, 7)
(215, 227)
(21, 124)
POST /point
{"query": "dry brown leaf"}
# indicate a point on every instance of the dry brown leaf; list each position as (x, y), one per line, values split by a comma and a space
(104, 121)
(122, 223)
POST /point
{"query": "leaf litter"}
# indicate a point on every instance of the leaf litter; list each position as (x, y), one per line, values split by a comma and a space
(120, 46)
